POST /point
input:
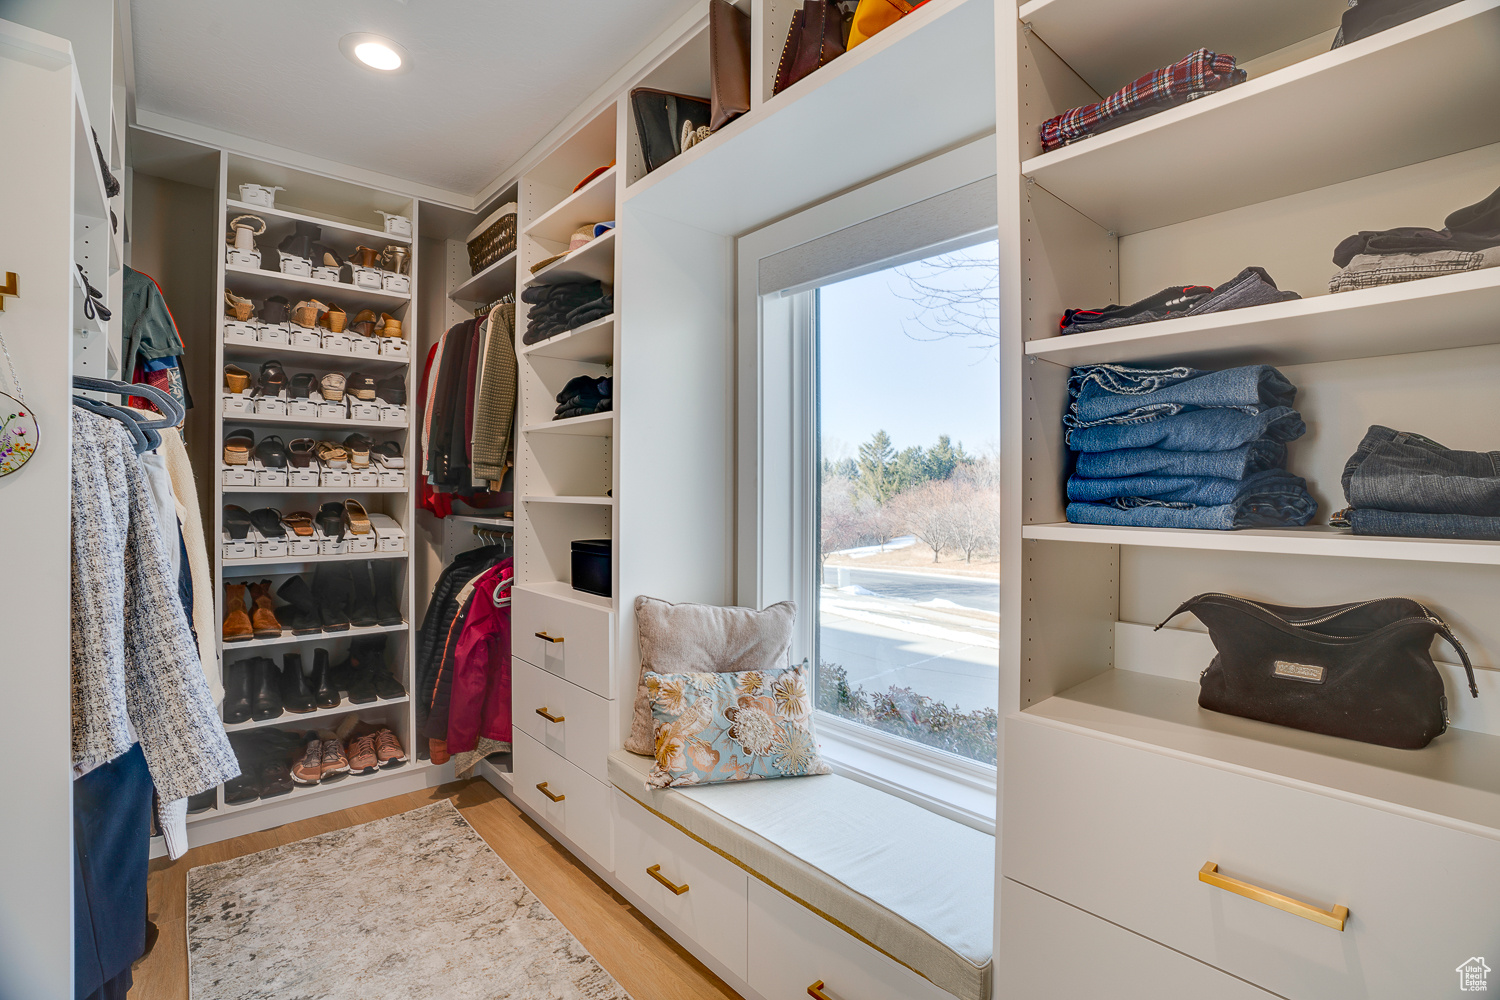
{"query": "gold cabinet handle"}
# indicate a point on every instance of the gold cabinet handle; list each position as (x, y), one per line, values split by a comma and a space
(655, 872)
(543, 789)
(549, 638)
(816, 991)
(1328, 918)
(549, 716)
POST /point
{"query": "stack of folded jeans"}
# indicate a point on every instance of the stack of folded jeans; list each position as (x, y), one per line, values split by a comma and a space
(1251, 287)
(562, 307)
(1398, 483)
(1184, 448)
(1469, 241)
(584, 395)
(1195, 75)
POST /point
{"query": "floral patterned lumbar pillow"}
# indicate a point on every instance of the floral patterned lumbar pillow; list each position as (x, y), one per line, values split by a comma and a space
(732, 727)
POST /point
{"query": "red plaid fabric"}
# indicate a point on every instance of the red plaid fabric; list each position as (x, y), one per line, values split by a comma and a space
(1199, 73)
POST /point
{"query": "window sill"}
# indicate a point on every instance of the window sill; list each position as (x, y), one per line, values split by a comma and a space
(964, 798)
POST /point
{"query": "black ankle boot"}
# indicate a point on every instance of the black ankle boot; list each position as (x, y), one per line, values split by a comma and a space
(237, 692)
(367, 659)
(361, 596)
(301, 614)
(387, 574)
(356, 672)
(324, 691)
(296, 696)
(300, 243)
(331, 588)
(265, 689)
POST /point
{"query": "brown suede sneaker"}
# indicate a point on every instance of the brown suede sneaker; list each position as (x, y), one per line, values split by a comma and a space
(236, 619)
(309, 770)
(362, 759)
(388, 749)
(262, 618)
(335, 764)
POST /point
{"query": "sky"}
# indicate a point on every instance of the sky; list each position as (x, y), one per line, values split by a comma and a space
(882, 369)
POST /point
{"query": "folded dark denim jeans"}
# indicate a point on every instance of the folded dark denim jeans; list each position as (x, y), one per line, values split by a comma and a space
(1103, 391)
(1284, 503)
(1212, 428)
(1400, 471)
(1405, 523)
(1203, 491)
(1230, 463)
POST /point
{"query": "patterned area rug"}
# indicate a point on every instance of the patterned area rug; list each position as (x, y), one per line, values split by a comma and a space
(413, 905)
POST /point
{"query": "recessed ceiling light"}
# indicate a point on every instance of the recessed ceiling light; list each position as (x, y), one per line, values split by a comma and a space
(373, 52)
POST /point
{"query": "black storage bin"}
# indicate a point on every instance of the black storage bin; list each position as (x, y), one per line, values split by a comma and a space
(591, 566)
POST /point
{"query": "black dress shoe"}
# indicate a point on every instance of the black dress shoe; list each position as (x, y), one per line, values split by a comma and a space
(325, 693)
(331, 587)
(361, 596)
(237, 692)
(265, 689)
(296, 696)
(275, 778)
(387, 580)
(301, 613)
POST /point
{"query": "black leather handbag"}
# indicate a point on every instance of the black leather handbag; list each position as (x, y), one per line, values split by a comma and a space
(1359, 671)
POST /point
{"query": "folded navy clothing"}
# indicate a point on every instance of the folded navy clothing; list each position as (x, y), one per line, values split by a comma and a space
(1251, 287)
(1280, 501)
(1372, 521)
(1229, 463)
(1473, 227)
(1205, 491)
(1210, 428)
(584, 409)
(1100, 392)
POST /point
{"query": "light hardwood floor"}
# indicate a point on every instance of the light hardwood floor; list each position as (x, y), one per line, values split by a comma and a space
(647, 963)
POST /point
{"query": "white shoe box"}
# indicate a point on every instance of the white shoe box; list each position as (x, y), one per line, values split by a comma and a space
(238, 331)
(271, 547)
(270, 406)
(299, 266)
(241, 548)
(398, 283)
(325, 273)
(389, 536)
(242, 258)
(309, 477)
(305, 408)
(364, 479)
(364, 411)
(359, 544)
(393, 347)
(331, 411)
(238, 405)
(391, 413)
(275, 334)
(331, 546)
(365, 277)
(306, 339)
(270, 477)
(238, 475)
(366, 347)
(335, 478)
(393, 477)
(336, 342)
(298, 545)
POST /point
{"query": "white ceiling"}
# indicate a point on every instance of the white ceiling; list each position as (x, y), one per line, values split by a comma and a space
(487, 78)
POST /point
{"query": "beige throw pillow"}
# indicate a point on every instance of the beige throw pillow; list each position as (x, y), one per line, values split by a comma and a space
(700, 638)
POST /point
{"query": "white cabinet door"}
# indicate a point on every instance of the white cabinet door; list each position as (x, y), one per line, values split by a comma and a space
(1123, 831)
(575, 804)
(711, 909)
(566, 638)
(563, 717)
(1052, 951)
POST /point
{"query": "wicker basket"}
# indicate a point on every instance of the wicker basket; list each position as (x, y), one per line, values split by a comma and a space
(494, 241)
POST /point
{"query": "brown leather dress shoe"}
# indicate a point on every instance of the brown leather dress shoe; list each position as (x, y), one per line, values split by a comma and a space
(237, 626)
(262, 618)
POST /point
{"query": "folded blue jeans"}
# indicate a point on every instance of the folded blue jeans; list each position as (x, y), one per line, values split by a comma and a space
(1102, 391)
(1399, 471)
(1285, 503)
(1367, 521)
(1231, 463)
(1211, 428)
(1203, 491)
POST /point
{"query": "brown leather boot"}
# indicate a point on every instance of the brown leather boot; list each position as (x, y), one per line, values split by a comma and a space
(236, 619)
(262, 618)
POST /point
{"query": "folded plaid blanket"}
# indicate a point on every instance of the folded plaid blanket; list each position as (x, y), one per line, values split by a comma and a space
(1200, 73)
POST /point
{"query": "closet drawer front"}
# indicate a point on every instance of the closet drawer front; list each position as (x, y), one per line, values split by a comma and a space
(792, 947)
(579, 639)
(1122, 832)
(1052, 951)
(582, 812)
(713, 910)
(582, 734)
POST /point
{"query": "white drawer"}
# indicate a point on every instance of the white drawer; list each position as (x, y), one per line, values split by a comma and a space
(791, 948)
(712, 910)
(1123, 831)
(582, 730)
(574, 804)
(1052, 951)
(579, 643)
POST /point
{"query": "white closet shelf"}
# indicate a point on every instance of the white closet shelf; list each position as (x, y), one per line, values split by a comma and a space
(89, 198)
(594, 202)
(490, 283)
(594, 261)
(274, 351)
(288, 638)
(496, 775)
(1453, 781)
(565, 592)
(295, 720)
(256, 418)
(1313, 540)
(589, 501)
(593, 344)
(261, 561)
(302, 791)
(1193, 160)
(1110, 44)
(1369, 323)
(345, 490)
(258, 283)
(494, 522)
(81, 319)
(590, 425)
(335, 228)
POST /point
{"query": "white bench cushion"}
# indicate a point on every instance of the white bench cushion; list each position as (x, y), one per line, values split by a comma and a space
(904, 880)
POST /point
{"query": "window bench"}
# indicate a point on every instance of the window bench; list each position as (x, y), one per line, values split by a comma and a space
(909, 883)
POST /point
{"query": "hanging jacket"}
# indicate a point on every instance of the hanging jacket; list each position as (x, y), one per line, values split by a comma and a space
(439, 686)
(441, 611)
(495, 403)
(150, 330)
(479, 699)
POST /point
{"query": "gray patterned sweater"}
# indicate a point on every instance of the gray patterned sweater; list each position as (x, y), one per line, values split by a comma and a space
(134, 659)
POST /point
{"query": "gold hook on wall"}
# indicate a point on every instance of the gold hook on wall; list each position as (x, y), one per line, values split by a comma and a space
(9, 288)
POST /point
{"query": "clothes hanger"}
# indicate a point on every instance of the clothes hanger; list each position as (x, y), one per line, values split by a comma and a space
(141, 436)
(173, 412)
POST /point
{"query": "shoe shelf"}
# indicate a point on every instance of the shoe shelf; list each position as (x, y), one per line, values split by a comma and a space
(590, 344)
(262, 418)
(257, 283)
(290, 720)
(1313, 540)
(338, 229)
(260, 561)
(1192, 161)
(591, 425)
(593, 501)
(490, 283)
(345, 490)
(236, 349)
(594, 202)
(303, 791)
(594, 261)
(498, 522)
(287, 638)
(1368, 323)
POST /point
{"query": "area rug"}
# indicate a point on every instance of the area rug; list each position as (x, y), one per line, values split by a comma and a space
(415, 905)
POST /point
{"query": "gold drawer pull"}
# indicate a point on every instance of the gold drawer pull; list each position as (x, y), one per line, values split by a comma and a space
(543, 789)
(655, 872)
(549, 716)
(1328, 918)
(544, 635)
(816, 991)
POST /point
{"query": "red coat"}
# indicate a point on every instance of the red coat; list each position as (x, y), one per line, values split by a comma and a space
(480, 701)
